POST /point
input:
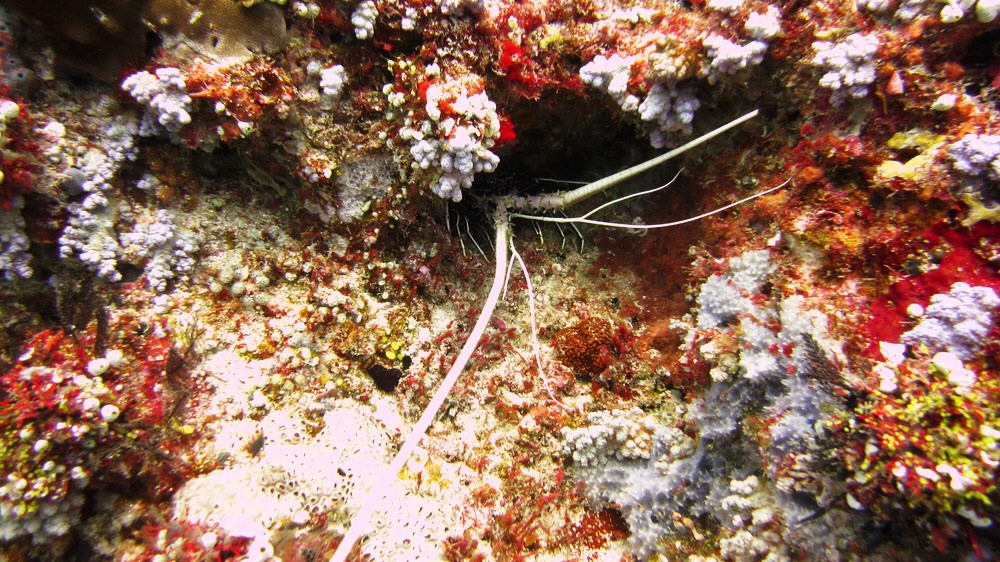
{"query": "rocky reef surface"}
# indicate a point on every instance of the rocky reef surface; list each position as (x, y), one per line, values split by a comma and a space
(243, 243)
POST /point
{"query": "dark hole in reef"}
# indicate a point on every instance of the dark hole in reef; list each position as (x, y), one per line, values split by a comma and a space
(328, 36)
(980, 53)
(876, 200)
(845, 177)
(130, 273)
(79, 549)
(153, 44)
(913, 266)
(989, 193)
(766, 288)
(256, 445)
(564, 136)
(385, 379)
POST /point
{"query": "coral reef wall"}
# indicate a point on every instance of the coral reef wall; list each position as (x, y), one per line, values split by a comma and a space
(243, 241)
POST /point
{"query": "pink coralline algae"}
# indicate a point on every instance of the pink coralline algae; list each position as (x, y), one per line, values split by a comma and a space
(75, 422)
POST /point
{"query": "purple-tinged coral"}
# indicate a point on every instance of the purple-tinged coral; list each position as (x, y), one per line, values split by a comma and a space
(671, 108)
(14, 257)
(363, 19)
(850, 65)
(456, 7)
(957, 321)
(722, 297)
(169, 250)
(454, 142)
(765, 25)
(90, 234)
(611, 75)
(331, 81)
(726, 57)
(976, 155)
(165, 96)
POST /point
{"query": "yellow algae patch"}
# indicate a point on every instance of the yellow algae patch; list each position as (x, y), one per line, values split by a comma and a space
(915, 138)
(916, 169)
(911, 170)
(978, 211)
